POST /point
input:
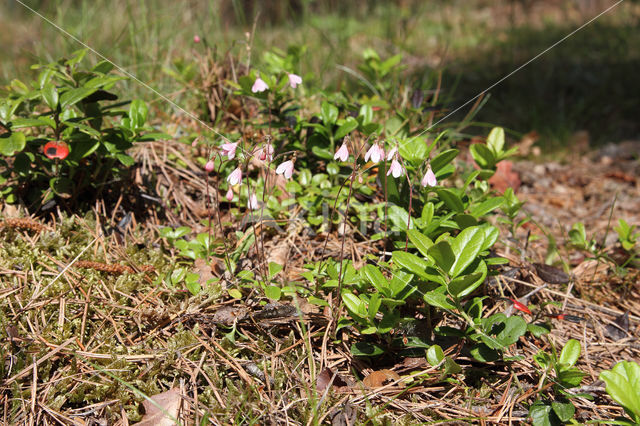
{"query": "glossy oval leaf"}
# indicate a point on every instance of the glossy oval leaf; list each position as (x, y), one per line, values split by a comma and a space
(349, 125)
(73, 96)
(480, 210)
(623, 385)
(466, 247)
(12, 143)
(421, 241)
(570, 353)
(451, 199)
(442, 254)
(443, 159)
(410, 262)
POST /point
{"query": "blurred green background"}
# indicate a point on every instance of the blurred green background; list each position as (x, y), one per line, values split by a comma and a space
(589, 83)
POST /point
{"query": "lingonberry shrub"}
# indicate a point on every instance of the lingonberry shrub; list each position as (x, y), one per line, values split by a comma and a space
(65, 134)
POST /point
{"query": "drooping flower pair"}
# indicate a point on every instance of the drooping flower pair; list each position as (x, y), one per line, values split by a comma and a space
(260, 85)
(429, 178)
(395, 168)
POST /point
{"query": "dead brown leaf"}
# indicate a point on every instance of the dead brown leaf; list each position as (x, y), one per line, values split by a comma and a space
(165, 410)
(203, 269)
(324, 380)
(379, 378)
(504, 177)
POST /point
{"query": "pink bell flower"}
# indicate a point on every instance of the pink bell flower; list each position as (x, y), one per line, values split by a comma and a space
(285, 169)
(196, 39)
(342, 153)
(294, 80)
(209, 166)
(229, 149)
(375, 153)
(235, 177)
(253, 203)
(429, 178)
(265, 153)
(229, 195)
(391, 153)
(395, 169)
(259, 86)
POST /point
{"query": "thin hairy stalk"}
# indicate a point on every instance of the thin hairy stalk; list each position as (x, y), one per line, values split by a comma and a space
(344, 231)
(227, 260)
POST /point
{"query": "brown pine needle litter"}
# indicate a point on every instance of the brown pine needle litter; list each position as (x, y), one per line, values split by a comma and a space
(111, 268)
(99, 332)
(23, 223)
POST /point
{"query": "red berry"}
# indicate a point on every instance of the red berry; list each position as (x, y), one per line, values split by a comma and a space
(56, 149)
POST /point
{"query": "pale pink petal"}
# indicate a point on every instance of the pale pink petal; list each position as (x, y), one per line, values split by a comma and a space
(395, 169)
(342, 153)
(375, 153)
(392, 153)
(429, 178)
(229, 195)
(378, 154)
(252, 203)
(209, 166)
(229, 149)
(235, 177)
(294, 80)
(285, 169)
(259, 86)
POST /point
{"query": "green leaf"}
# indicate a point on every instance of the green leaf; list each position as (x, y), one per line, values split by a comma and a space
(12, 143)
(73, 96)
(125, 159)
(349, 125)
(443, 159)
(235, 293)
(354, 304)
(451, 367)
(366, 349)
(273, 292)
(514, 327)
(21, 123)
(451, 199)
(375, 277)
(459, 286)
(480, 210)
(482, 155)
(623, 386)
(570, 353)
(539, 413)
(570, 377)
(274, 268)
(564, 410)
(465, 220)
(484, 353)
(466, 247)
(329, 113)
(366, 112)
(421, 241)
(495, 141)
(192, 282)
(410, 262)
(538, 330)
(435, 355)
(442, 254)
(374, 306)
(438, 299)
(50, 95)
(138, 114)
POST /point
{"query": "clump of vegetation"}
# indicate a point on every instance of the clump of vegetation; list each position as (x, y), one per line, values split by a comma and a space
(325, 247)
